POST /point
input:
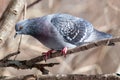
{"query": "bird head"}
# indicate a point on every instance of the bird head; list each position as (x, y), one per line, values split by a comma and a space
(22, 27)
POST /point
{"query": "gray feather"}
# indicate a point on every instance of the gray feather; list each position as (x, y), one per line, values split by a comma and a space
(57, 31)
(73, 29)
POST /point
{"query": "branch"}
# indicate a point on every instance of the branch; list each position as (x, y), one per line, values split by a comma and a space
(32, 63)
(10, 55)
(32, 4)
(67, 77)
(9, 18)
(23, 64)
(79, 48)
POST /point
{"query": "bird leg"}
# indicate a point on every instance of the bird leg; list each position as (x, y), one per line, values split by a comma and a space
(64, 51)
(47, 54)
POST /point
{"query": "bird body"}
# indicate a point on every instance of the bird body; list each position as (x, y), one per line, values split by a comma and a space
(57, 31)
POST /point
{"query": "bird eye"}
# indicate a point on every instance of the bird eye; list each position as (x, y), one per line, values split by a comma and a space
(21, 27)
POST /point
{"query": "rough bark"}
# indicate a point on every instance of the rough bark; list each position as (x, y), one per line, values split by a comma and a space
(68, 77)
(9, 18)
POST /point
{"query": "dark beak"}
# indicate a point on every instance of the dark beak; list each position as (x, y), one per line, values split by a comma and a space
(15, 35)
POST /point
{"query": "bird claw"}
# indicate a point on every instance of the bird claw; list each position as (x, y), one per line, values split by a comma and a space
(47, 54)
(64, 51)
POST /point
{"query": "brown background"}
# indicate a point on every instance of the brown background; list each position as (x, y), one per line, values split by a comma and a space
(103, 14)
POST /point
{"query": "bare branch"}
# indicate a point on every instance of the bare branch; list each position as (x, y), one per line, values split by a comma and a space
(78, 49)
(10, 55)
(33, 3)
(9, 18)
(67, 77)
(32, 63)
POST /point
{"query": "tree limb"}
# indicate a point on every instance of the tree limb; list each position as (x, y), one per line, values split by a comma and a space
(78, 49)
(5, 62)
(32, 63)
(67, 77)
(9, 18)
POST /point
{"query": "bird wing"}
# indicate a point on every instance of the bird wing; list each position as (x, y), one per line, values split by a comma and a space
(74, 30)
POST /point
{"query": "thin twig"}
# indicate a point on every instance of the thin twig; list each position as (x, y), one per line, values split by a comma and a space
(10, 55)
(24, 17)
(66, 77)
(25, 10)
(18, 50)
(33, 3)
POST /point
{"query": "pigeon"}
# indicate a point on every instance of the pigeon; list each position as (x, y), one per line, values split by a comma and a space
(60, 31)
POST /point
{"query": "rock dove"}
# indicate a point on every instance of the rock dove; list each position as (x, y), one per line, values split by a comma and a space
(60, 31)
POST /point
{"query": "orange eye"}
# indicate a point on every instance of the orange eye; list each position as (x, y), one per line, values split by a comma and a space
(20, 27)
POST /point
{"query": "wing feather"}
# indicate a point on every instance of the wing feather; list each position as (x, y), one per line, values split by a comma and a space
(73, 29)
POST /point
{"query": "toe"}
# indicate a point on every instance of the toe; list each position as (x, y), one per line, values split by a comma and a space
(64, 51)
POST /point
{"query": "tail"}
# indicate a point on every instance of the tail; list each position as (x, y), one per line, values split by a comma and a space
(101, 35)
(97, 35)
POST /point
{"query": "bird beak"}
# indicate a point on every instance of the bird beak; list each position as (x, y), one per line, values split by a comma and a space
(15, 35)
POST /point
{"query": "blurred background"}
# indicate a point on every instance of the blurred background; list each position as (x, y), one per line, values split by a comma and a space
(103, 14)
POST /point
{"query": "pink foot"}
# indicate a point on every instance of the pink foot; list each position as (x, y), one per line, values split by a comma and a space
(47, 54)
(64, 51)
